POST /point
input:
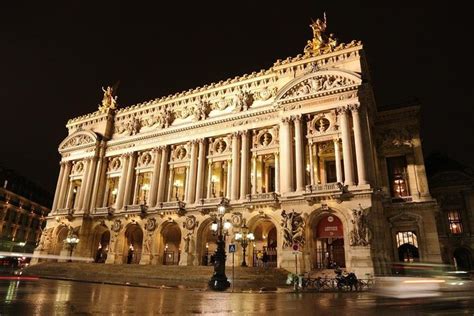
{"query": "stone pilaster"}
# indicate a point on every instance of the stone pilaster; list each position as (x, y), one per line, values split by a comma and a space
(337, 152)
(235, 166)
(244, 167)
(128, 194)
(277, 172)
(299, 154)
(163, 172)
(359, 145)
(122, 181)
(200, 170)
(346, 146)
(286, 175)
(155, 177)
(58, 186)
(62, 202)
(192, 173)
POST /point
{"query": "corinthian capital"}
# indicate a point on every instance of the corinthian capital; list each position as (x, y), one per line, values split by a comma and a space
(354, 107)
(342, 110)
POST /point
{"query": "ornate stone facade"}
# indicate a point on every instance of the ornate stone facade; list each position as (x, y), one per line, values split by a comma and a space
(294, 148)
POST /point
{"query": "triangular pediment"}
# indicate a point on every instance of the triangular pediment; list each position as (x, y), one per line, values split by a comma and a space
(78, 140)
(318, 83)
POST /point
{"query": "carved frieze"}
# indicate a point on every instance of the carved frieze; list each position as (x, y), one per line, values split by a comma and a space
(78, 140)
(242, 101)
(394, 138)
(316, 84)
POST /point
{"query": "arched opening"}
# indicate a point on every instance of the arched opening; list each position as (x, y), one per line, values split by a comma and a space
(60, 245)
(100, 244)
(407, 243)
(462, 259)
(264, 248)
(328, 241)
(207, 244)
(132, 249)
(171, 235)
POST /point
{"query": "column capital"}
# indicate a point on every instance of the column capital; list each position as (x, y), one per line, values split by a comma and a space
(276, 154)
(296, 118)
(336, 140)
(285, 120)
(342, 109)
(354, 107)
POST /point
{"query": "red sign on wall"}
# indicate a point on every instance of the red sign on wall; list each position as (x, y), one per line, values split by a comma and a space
(330, 227)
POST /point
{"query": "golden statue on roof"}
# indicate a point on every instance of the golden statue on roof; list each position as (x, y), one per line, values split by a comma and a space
(321, 42)
(109, 100)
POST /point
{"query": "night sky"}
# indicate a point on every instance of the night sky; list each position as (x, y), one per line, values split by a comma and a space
(54, 60)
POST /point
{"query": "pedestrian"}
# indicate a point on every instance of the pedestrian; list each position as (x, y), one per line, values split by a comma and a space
(259, 258)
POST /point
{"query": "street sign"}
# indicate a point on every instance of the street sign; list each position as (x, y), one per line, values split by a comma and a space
(232, 248)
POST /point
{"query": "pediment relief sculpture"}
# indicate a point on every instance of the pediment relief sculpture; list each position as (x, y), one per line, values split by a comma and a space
(317, 84)
(78, 140)
(395, 138)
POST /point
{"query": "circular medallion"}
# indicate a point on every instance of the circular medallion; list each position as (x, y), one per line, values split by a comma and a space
(330, 219)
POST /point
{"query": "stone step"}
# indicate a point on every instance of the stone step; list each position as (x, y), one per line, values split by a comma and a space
(191, 276)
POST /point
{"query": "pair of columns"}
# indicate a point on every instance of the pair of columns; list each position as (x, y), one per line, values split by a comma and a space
(291, 157)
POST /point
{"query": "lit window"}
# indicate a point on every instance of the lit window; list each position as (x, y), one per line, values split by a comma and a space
(407, 238)
(397, 169)
(454, 220)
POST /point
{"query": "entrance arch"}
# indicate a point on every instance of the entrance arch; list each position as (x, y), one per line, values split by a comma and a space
(327, 248)
(100, 243)
(206, 243)
(171, 244)
(263, 250)
(60, 237)
(132, 247)
(462, 259)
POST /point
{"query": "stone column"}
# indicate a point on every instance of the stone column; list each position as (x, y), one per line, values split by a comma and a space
(420, 168)
(98, 178)
(254, 170)
(311, 164)
(317, 175)
(299, 154)
(58, 186)
(155, 177)
(277, 171)
(163, 169)
(235, 167)
(87, 163)
(338, 160)
(209, 179)
(186, 184)
(89, 186)
(170, 184)
(244, 167)
(346, 146)
(359, 145)
(192, 173)
(200, 170)
(64, 186)
(129, 185)
(122, 182)
(286, 174)
(229, 179)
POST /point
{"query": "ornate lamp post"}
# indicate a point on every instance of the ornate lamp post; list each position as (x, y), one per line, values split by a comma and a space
(71, 240)
(244, 237)
(218, 281)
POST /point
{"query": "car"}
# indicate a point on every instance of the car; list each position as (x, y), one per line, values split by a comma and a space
(418, 280)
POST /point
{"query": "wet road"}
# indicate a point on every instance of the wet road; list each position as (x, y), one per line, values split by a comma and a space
(50, 297)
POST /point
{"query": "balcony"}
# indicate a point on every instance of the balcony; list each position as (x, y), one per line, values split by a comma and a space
(104, 211)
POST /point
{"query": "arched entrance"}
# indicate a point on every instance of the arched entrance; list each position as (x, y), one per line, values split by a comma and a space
(264, 248)
(100, 244)
(207, 244)
(132, 249)
(407, 243)
(328, 243)
(61, 236)
(171, 245)
(462, 259)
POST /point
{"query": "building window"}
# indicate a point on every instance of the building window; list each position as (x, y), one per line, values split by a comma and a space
(454, 221)
(397, 172)
(74, 195)
(407, 244)
(112, 190)
(143, 188)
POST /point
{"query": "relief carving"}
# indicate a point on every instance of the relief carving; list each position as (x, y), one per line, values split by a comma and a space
(293, 228)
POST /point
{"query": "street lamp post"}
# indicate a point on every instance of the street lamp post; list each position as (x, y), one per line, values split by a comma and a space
(71, 240)
(244, 237)
(218, 281)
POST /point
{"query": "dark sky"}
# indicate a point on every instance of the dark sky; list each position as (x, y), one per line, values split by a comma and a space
(54, 60)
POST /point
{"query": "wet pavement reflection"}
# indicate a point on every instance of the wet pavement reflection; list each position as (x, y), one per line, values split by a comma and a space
(51, 297)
